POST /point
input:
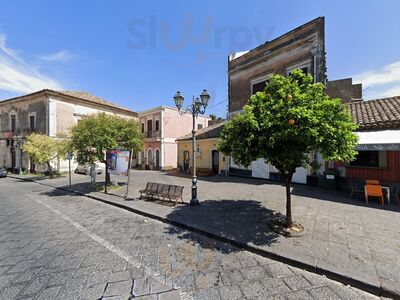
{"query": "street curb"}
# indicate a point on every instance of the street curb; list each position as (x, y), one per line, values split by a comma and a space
(346, 280)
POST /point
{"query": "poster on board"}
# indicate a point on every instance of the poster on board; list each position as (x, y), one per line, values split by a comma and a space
(118, 162)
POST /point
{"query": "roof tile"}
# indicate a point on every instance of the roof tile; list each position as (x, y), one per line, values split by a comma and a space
(376, 114)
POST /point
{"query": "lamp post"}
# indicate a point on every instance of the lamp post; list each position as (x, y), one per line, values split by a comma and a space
(197, 107)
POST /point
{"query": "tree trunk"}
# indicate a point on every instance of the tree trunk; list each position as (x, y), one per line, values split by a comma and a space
(288, 201)
(50, 169)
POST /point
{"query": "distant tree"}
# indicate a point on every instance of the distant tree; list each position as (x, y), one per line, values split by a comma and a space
(292, 118)
(215, 119)
(44, 149)
(95, 134)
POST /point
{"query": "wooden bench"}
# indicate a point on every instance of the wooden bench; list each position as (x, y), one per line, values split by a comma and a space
(162, 191)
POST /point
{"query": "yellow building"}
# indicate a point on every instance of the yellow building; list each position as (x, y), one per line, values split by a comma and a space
(209, 160)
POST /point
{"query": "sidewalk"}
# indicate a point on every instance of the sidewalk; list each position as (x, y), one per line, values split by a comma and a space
(343, 239)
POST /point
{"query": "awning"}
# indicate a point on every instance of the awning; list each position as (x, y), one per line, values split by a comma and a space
(379, 140)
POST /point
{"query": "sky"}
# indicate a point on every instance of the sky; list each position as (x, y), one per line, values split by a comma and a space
(139, 53)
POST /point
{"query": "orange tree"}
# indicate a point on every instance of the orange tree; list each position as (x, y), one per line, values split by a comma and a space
(292, 118)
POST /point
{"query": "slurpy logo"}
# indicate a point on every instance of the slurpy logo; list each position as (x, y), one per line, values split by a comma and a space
(201, 34)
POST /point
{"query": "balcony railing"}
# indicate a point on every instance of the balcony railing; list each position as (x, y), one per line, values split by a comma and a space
(152, 134)
(28, 131)
(8, 134)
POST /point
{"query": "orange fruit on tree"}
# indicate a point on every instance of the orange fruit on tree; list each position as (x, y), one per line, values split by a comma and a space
(290, 97)
(291, 121)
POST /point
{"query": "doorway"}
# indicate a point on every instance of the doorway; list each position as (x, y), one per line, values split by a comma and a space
(157, 159)
(150, 159)
(186, 161)
(13, 159)
(215, 161)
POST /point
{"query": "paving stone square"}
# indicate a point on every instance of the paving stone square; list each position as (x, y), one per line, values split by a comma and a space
(72, 247)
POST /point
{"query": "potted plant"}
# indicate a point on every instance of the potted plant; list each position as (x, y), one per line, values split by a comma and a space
(312, 179)
(143, 163)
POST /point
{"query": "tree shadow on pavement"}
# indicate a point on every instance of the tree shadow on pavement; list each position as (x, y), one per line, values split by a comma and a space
(342, 197)
(241, 221)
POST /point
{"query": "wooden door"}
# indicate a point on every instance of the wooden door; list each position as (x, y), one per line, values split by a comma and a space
(215, 161)
(186, 161)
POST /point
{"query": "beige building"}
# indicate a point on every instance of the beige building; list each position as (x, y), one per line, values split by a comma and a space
(48, 112)
(209, 160)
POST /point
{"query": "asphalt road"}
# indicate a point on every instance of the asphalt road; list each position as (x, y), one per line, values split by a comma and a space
(54, 245)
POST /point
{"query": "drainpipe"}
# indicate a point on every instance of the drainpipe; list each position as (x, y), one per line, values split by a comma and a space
(314, 53)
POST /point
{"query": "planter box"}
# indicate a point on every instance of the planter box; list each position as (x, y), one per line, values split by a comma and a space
(312, 180)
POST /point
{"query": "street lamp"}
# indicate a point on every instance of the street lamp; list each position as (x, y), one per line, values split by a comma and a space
(197, 107)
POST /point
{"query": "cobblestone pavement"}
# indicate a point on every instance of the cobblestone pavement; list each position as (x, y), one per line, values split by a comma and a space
(71, 247)
(341, 235)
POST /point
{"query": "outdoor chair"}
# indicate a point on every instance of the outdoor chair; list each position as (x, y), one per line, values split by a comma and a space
(372, 181)
(374, 190)
(356, 186)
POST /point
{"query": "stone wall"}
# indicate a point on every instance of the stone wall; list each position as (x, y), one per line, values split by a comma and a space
(344, 89)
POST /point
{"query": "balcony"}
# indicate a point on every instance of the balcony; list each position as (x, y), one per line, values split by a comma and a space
(28, 131)
(8, 134)
(152, 135)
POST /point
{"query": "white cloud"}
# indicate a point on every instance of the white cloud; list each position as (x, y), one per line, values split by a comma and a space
(388, 74)
(380, 83)
(63, 55)
(18, 76)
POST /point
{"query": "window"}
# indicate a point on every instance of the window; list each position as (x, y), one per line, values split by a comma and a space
(258, 84)
(304, 69)
(304, 66)
(375, 159)
(142, 127)
(13, 123)
(157, 125)
(199, 126)
(259, 87)
(32, 122)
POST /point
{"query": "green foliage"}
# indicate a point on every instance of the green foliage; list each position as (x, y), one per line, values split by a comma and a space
(284, 124)
(43, 148)
(287, 122)
(215, 118)
(95, 134)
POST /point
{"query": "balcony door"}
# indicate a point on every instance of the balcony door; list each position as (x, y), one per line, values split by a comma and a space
(149, 128)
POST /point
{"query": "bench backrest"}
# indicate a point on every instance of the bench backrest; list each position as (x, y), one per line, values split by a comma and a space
(165, 189)
(148, 186)
(160, 187)
(153, 187)
(176, 190)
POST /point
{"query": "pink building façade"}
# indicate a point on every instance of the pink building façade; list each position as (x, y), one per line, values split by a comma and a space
(161, 126)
